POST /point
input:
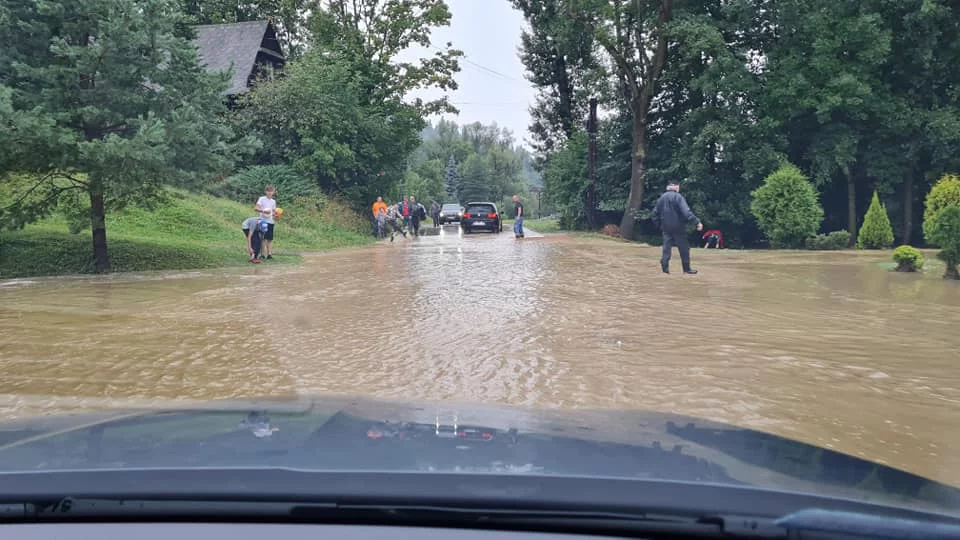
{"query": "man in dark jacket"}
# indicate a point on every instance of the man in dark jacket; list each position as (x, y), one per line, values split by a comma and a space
(671, 215)
(417, 213)
(435, 213)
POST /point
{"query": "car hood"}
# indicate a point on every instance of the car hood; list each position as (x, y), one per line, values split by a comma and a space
(368, 435)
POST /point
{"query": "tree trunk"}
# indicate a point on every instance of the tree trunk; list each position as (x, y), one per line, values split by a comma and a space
(590, 201)
(637, 174)
(851, 209)
(907, 209)
(101, 259)
(565, 95)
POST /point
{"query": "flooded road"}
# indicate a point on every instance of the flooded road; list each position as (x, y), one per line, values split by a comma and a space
(828, 348)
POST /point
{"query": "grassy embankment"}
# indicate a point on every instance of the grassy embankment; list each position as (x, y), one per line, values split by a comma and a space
(543, 226)
(187, 231)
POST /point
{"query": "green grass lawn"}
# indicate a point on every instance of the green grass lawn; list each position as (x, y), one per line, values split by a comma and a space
(543, 226)
(188, 231)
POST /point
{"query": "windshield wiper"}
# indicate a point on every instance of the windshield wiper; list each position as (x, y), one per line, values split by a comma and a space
(822, 523)
(104, 510)
(867, 525)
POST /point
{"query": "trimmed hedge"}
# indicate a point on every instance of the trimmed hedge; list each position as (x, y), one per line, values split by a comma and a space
(908, 259)
(830, 241)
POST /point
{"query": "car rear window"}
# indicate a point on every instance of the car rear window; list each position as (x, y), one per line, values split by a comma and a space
(480, 209)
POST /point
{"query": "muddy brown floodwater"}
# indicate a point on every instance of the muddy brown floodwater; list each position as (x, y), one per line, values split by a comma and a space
(828, 348)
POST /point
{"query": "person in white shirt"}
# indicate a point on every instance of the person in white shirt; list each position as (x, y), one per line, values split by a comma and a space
(266, 205)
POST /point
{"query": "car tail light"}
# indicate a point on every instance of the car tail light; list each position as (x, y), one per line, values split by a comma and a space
(492, 215)
(466, 214)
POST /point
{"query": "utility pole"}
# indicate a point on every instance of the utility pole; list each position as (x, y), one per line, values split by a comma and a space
(590, 203)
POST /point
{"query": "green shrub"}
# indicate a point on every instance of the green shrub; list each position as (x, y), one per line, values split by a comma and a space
(908, 259)
(786, 207)
(944, 194)
(247, 185)
(833, 240)
(945, 232)
(876, 232)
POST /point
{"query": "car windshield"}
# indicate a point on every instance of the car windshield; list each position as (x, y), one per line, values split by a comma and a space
(704, 243)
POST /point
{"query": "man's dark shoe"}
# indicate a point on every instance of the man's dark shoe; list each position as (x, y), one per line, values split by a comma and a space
(269, 256)
(690, 271)
(665, 268)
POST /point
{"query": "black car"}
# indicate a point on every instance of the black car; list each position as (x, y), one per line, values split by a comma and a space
(450, 213)
(481, 216)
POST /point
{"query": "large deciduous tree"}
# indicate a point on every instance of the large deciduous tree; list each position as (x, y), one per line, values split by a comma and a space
(317, 119)
(824, 88)
(916, 137)
(341, 113)
(105, 99)
(559, 60)
(373, 33)
(635, 34)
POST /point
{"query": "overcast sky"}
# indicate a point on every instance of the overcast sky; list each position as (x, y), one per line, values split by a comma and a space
(492, 86)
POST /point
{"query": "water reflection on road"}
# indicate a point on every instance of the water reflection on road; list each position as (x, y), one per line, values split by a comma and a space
(828, 348)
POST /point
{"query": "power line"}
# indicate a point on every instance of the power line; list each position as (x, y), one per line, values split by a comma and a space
(491, 104)
(484, 68)
(489, 70)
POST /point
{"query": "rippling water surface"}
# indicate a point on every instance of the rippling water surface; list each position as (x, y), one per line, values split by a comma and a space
(828, 348)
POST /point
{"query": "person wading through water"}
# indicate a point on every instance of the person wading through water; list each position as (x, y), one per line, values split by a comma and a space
(435, 214)
(417, 213)
(404, 208)
(518, 216)
(671, 215)
(395, 221)
(378, 207)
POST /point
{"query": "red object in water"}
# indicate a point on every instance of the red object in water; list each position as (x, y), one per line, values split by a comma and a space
(711, 232)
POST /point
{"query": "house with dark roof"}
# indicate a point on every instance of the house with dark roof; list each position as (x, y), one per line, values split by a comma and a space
(251, 49)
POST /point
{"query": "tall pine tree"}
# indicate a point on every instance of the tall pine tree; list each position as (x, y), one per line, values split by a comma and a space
(451, 179)
(109, 102)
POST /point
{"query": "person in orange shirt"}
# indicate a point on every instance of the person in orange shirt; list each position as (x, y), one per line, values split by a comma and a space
(377, 208)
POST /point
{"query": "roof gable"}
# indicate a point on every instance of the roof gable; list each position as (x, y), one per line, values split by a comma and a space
(222, 46)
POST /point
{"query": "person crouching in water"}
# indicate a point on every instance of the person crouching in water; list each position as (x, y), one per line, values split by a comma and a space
(713, 239)
(253, 232)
